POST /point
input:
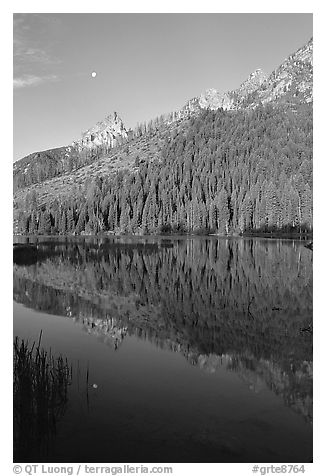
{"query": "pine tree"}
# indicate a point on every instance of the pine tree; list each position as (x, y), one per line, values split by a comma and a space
(223, 214)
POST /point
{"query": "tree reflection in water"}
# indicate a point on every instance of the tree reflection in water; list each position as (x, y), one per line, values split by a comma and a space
(235, 302)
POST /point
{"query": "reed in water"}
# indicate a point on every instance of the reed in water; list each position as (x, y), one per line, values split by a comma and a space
(40, 396)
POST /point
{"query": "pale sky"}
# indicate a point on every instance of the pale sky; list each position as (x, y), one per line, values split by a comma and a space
(146, 65)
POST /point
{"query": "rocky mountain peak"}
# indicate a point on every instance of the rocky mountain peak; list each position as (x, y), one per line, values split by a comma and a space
(252, 83)
(213, 99)
(257, 72)
(106, 132)
(291, 81)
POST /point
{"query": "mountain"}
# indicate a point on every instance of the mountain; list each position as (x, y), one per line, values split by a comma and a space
(106, 132)
(254, 82)
(291, 81)
(41, 166)
(224, 162)
(212, 99)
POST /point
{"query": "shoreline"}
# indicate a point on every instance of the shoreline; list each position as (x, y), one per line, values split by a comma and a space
(295, 236)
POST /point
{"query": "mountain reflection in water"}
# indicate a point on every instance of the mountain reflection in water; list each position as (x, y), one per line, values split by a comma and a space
(238, 304)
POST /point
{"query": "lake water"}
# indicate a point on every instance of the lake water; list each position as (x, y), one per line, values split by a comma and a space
(197, 349)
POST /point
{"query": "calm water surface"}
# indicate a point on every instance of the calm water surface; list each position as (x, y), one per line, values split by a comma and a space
(197, 348)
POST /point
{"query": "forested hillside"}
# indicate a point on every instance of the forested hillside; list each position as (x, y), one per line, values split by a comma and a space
(105, 140)
(222, 172)
(41, 166)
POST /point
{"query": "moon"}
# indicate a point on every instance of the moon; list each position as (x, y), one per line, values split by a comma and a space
(94, 74)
